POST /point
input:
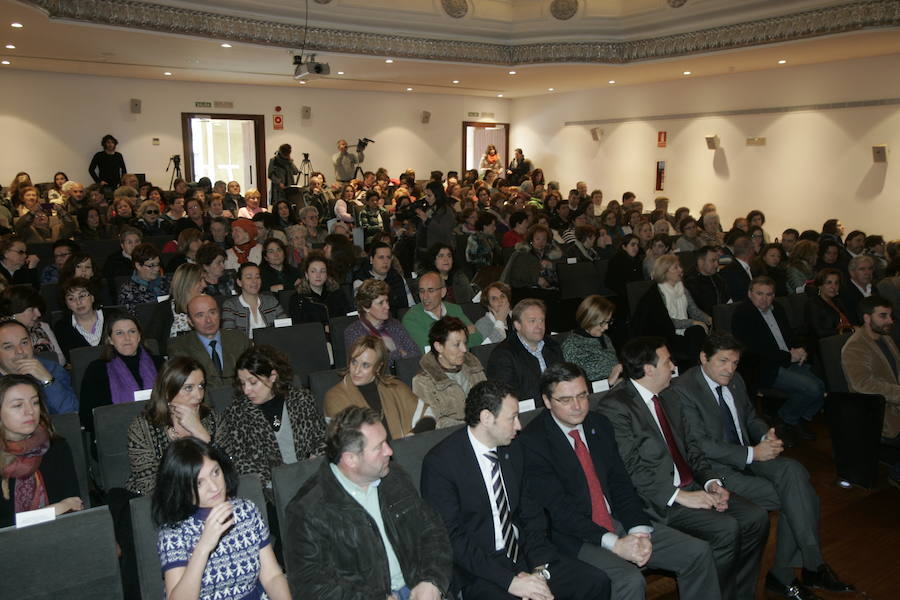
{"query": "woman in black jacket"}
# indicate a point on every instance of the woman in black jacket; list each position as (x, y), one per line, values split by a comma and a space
(625, 266)
(825, 313)
(277, 273)
(319, 297)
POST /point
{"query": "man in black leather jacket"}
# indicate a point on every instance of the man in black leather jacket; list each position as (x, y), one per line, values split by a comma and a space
(358, 528)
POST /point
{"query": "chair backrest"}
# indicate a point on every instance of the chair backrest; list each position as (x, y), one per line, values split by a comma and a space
(68, 425)
(473, 310)
(285, 297)
(144, 315)
(304, 344)
(407, 369)
(483, 352)
(830, 351)
(146, 534)
(286, 482)
(722, 315)
(319, 384)
(635, 290)
(339, 349)
(688, 259)
(578, 280)
(409, 452)
(220, 397)
(80, 359)
(78, 554)
(111, 432)
(50, 294)
(601, 266)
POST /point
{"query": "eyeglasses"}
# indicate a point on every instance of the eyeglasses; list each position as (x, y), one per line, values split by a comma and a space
(564, 400)
(606, 322)
(150, 265)
(151, 211)
(77, 298)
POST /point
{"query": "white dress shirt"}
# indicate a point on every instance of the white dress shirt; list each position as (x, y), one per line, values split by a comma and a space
(486, 465)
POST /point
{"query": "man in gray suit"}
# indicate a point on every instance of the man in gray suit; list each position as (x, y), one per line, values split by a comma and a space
(721, 420)
(673, 477)
(216, 349)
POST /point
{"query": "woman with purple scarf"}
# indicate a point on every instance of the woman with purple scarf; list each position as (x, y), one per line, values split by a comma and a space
(123, 368)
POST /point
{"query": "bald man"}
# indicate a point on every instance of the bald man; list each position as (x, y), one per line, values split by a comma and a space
(419, 319)
(216, 349)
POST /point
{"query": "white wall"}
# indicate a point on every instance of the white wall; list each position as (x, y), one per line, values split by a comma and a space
(51, 122)
(816, 164)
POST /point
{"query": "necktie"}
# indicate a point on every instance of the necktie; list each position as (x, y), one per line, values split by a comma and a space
(599, 512)
(684, 471)
(510, 543)
(215, 356)
(731, 434)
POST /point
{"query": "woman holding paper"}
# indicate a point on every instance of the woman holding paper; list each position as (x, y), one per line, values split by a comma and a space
(588, 346)
(123, 368)
(36, 467)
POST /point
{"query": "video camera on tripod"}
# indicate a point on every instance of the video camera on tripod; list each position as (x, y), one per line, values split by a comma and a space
(362, 143)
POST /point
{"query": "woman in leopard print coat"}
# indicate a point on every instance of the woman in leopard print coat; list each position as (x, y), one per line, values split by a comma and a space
(270, 422)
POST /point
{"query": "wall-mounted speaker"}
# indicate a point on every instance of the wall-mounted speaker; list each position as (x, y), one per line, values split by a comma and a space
(879, 153)
(596, 134)
(306, 112)
(135, 106)
(712, 142)
(426, 116)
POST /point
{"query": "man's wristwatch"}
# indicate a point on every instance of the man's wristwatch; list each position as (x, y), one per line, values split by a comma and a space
(49, 381)
(542, 570)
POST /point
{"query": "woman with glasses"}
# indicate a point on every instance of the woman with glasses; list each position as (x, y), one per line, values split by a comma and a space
(588, 346)
(82, 321)
(147, 283)
(150, 219)
(16, 265)
(25, 305)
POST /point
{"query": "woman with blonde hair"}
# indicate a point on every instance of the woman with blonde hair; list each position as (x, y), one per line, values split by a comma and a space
(150, 220)
(490, 161)
(170, 317)
(365, 383)
(252, 207)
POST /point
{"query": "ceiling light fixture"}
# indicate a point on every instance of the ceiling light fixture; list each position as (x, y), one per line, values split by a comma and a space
(686, 73)
(4, 62)
(167, 73)
(611, 82)
(512, 72)
(455, 81)
(389, 61)
(782, 62)
(10, 47)
(340, 73)
(226, 45)
(302, 82)
(499, 95)
(409, 89)
(17, 25)
(551, 89)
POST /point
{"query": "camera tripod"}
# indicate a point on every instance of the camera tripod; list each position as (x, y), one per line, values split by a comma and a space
(306, 169)
(174, 160)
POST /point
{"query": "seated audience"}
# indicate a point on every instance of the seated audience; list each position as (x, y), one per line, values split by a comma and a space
(62, 250)
(588, 346)
(125, 366)
(319, 298)
(251, 205)
(245, 248)
(218, 280)
(690, 239)
(25, 305)
(186, 247)
(250, 309)
(91, 225)
(518, 227)
(277, 273)
(36, 466)
(456, 282)
(82, 321)
(482, 247)
(533, 264)
(672, 475)
(195, 216)
(16, 265)
(771, 263)
(80, 264)
(17, 358)
(801, 266)
(120, 262)
(825, 312)
(667, 309)
(723, 423)
(375, 319)
(336, 550)
(270, 422)
(889, 287)
(169, 318)
(380, 267)
(150, 221)
(582, 247)
(829, 254)
(761, 325)
(495, 323)
(447, 372)
(738, 274)
(497, 530)
(861, 269)
(519, 360)
(704, 283)
(366, 383)
(659, 246)
(625, 267)
(147, 283)
(211, 544)
(215, 349)
(418, 319)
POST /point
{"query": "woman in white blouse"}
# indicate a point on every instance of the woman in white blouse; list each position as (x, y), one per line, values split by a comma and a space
(250, 309)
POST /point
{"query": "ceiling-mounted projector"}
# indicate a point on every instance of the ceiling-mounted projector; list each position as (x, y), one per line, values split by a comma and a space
(305, 69)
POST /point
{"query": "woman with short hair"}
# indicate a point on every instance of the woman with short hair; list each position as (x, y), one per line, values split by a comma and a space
(82, 321)
(25, 305)
(147, 283)
(375, 319)
(150, 219)
(447, 372)
(588, 346)
(218, 280)
(825, 311)
(496, 323)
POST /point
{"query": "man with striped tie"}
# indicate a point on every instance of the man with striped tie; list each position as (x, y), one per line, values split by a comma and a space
(475, 480)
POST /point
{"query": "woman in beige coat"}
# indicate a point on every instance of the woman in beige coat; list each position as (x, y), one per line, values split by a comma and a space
(448, 372)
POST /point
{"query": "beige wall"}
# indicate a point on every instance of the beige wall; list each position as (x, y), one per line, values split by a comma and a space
(51, 122)
(816, 164)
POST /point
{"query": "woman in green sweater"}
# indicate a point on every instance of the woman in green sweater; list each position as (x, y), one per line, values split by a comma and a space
(588, 346)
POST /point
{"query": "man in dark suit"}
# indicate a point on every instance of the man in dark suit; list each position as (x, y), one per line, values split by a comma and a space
(862, 270)
(475, 480)
(576, 472)
(722, 421)
(737, 275)
(677, 483)
(762, 327)
(216, 349)
(706, 286)
(520, 359)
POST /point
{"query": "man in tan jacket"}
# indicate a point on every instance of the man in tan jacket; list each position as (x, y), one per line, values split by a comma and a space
(871, 362)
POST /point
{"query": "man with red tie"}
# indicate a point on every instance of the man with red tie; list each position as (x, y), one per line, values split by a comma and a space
(672, 475)
(595, 514)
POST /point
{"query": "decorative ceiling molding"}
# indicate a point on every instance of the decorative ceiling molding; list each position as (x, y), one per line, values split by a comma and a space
(563, 9)
(134, 14)
(455, 8)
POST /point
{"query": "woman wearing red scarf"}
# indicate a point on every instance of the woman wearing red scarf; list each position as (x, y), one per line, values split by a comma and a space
(491, 161)
(36, 466)
(246, 248)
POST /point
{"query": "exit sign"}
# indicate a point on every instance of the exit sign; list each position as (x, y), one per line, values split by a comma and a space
(474, 115)
(203, 104)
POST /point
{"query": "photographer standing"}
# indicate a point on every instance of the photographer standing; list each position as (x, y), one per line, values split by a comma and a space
(282, 172)
(345, 163)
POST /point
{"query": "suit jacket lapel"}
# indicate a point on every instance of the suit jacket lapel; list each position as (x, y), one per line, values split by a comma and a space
(471, 463)
(643, 413)
(562, 451)
(510, 478)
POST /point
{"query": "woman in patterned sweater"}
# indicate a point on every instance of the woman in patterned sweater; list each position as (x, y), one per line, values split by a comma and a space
(211, 544)
(588, 346)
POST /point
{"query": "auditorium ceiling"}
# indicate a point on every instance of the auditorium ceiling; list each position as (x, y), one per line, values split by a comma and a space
(512, 48)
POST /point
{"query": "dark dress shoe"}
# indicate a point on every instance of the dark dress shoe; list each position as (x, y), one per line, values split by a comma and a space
(795, 591)
(787, 434)
(824, 578)
(804, 432)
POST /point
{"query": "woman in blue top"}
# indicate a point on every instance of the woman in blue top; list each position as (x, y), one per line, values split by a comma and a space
(211, 544)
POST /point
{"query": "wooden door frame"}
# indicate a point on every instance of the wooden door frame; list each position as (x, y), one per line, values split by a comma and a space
(485, 125)
(259, 128)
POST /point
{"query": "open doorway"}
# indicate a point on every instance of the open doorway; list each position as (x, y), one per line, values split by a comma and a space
(477, 137)
(225, 147)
